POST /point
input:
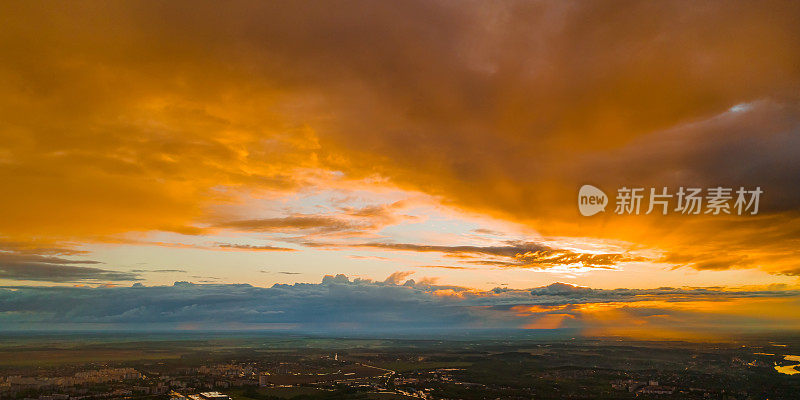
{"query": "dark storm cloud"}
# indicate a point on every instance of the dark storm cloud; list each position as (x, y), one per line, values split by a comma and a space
(755, 146)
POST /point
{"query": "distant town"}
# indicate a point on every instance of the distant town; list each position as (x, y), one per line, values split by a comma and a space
(298, 368)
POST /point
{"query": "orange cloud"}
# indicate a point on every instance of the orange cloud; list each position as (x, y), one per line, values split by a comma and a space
(136, 117)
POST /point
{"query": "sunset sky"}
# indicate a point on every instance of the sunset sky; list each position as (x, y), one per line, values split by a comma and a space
(425, 156)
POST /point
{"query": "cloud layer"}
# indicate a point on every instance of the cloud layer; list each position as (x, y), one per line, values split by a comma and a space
(515, 255)
(341, 305)
(27, 265)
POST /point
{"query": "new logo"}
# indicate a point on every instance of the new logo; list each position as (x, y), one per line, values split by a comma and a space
(591, 200)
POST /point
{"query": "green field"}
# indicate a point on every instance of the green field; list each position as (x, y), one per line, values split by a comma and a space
(55, 357)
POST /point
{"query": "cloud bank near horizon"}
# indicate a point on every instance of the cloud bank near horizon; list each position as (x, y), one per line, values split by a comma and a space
(340, 305)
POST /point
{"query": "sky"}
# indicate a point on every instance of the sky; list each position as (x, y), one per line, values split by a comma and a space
(293, 165)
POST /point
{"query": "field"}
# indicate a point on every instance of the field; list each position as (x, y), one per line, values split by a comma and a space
(307, 393)
(55, 357)
(403, 366)
(282, 392)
